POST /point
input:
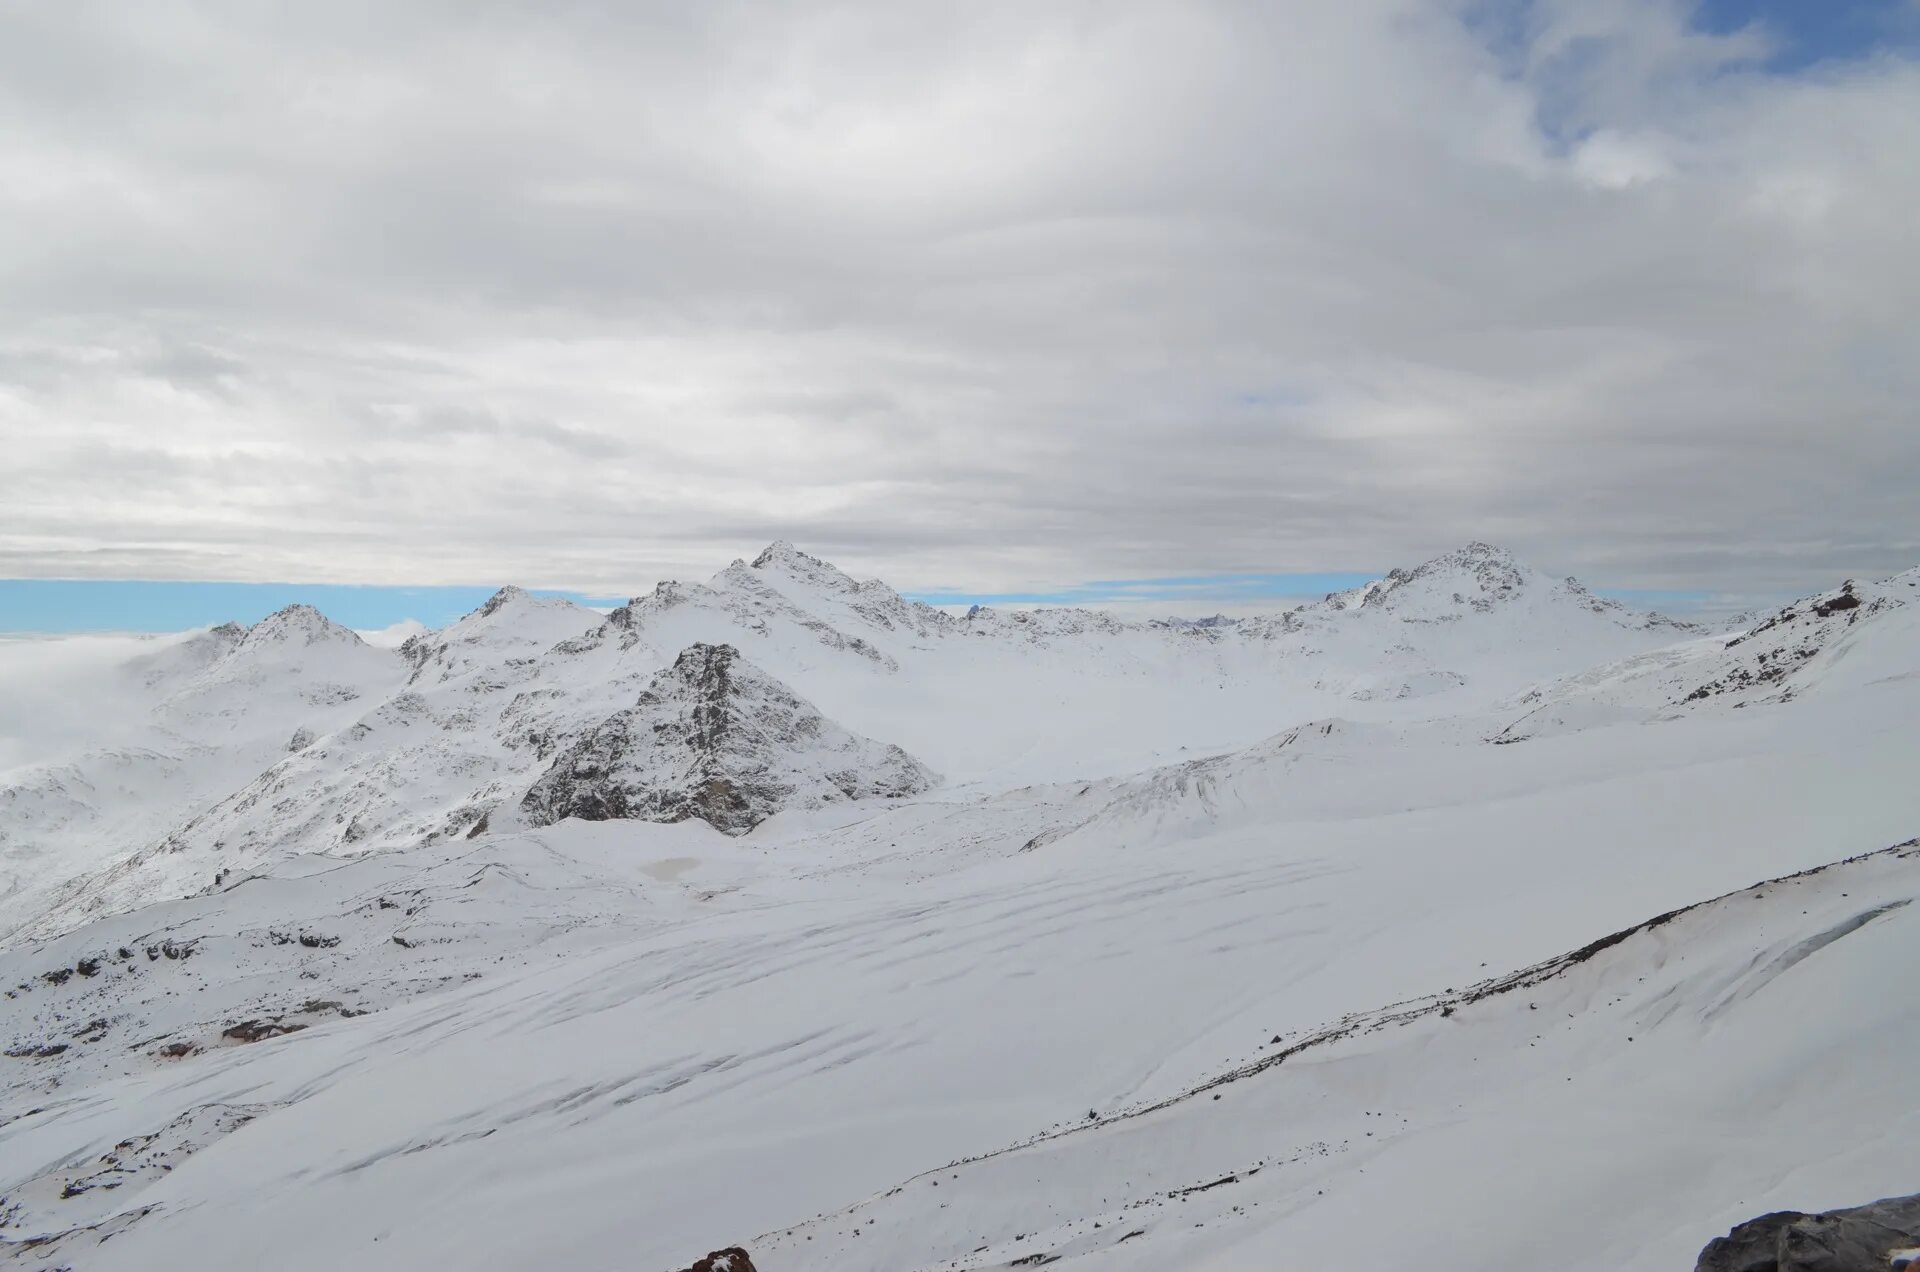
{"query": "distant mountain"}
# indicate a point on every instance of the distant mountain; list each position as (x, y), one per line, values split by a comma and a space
(239, 746)
(179, 729)
(1481, 578)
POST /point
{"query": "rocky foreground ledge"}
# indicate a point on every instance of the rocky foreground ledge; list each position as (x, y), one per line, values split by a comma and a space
(1876, 1237)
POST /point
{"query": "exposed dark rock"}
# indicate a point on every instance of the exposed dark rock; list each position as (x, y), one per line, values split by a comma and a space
(499, 600)
(318, 1006)
(731, 1259)
(257, 1030)
(1860, 1239)
(715, 738)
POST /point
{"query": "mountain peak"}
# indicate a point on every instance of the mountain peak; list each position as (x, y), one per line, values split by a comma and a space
(298, 624)
(1481, 550)
(521, 608)
(1493, 566)
(504, 597)
(782, 558)
(781, 552)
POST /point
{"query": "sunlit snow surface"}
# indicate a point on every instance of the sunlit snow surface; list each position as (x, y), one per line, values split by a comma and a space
(1039, 1012)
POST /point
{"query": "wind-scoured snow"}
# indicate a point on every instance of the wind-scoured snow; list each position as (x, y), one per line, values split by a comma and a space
(1383, 926)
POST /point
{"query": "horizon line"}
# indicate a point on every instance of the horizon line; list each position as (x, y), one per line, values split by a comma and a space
(52, 607)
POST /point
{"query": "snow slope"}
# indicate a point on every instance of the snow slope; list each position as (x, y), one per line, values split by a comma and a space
(1682, 1067)
(985, 1023)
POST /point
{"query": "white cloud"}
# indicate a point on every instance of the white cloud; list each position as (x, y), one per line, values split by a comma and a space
(1614, 161)
(988, 296)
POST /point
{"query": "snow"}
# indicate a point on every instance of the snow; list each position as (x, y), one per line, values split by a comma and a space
(1032, 1010)
(394, 635)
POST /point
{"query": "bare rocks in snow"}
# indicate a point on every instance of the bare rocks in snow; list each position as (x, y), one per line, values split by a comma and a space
(715, 738)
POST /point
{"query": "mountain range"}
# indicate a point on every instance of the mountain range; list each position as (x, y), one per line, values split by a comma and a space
(1431, 920)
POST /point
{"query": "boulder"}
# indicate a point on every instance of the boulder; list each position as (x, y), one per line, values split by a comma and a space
(1861, 1239)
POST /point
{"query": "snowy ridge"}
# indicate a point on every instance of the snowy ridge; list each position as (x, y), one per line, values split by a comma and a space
(1795, 649)
(511, 623)
(1184, 1181)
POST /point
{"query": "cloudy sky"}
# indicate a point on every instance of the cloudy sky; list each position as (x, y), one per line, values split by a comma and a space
(981, 298)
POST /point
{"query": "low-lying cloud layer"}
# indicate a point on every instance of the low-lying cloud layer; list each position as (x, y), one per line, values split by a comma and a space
(980, 297)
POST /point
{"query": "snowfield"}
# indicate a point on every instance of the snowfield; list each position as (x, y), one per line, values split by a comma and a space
(1465, 916)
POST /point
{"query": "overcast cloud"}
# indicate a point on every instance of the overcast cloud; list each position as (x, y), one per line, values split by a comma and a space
(979, 296)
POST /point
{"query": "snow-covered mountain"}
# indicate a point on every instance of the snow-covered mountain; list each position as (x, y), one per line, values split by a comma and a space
(1833, 637)
(780, 911)
(242, 746)
(179, 727)
(1481, 578)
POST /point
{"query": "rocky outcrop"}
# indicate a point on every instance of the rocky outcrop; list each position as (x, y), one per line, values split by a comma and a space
(1872, 1238)
(717, 739)
(731, 1259)
(1769, 656)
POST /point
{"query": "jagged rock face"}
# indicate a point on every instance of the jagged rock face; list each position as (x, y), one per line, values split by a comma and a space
(717, 739)
(1870, 1238)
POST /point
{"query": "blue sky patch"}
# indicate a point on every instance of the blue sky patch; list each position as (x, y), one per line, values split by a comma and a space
(146, 605)
(1808, 32)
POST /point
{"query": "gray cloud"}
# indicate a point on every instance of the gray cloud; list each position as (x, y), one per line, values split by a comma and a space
(992, 296)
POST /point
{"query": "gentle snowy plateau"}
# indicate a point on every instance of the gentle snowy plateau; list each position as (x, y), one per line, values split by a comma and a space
(1463, 921)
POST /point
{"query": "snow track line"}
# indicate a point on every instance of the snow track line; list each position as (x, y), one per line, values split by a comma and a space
(1410, 1010)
